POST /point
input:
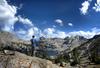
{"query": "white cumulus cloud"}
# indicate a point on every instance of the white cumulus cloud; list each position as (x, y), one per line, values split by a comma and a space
(49, 31)
(7, 16)
(70, 24)
(25, 21)
(59, 21)
(53, 33)
(86, 4)
(85, 7)
(97, 6)
(27, 34)
(87, 34)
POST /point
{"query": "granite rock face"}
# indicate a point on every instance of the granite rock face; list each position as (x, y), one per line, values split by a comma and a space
(19, 60)
(88, 52)
(9, 41)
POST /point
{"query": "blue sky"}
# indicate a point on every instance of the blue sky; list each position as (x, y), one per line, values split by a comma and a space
(50, 18)
(46, 11)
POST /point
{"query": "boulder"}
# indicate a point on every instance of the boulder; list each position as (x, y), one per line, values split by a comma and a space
(19, 60)
(9, 52)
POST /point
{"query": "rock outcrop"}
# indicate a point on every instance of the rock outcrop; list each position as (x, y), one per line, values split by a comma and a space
(10, 42)
(19, 60)
(74, 41)
(88, 52)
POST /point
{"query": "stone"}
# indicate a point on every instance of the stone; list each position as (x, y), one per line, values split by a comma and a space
(9, 52)
(19, 60)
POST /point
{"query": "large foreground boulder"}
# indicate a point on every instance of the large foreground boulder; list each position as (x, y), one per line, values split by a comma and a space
(19, 60)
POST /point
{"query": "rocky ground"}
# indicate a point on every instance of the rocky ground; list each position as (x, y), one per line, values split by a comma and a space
(11, 59)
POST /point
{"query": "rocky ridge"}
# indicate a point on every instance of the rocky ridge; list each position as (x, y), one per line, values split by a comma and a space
(19, 60)
(87, 53)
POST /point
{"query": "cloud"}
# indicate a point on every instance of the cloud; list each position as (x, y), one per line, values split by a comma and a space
(97, 6)
(20, 6)
(7, 16)
(49, 30)
(70, 24)
(59, 21)
(53, 33)
(27, 34)
(21, 31)
(85, 7)
(25, 21)
(87, 34)
(61, 34)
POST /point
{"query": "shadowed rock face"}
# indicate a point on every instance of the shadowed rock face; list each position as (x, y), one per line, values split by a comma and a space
(19, 60)
(88, 52)
(94, 49)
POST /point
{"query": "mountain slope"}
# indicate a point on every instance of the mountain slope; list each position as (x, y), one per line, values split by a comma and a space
(7, 37)
(9, 41)
(74, 41)
(88, 52)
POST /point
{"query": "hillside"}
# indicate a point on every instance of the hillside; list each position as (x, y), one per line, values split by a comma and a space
(87, 53)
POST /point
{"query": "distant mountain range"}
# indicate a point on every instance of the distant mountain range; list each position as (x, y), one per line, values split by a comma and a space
(58, 44)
